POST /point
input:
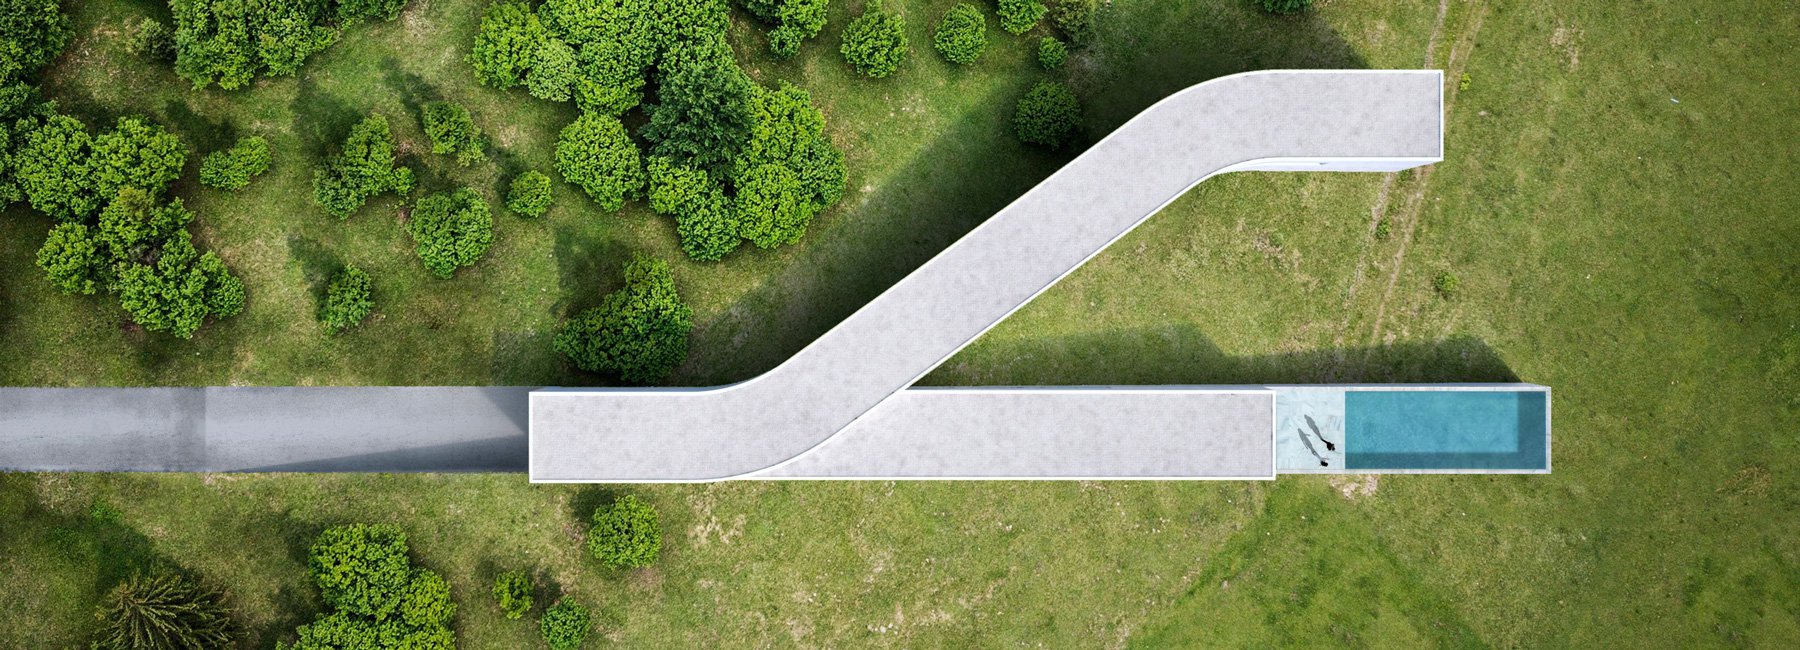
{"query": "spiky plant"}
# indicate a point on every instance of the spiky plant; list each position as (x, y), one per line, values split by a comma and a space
(164, 612)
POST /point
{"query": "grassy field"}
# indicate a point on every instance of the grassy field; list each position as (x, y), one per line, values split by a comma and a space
(1616, 201)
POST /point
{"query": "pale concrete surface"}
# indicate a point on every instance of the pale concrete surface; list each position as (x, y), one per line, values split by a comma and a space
(1276, 121)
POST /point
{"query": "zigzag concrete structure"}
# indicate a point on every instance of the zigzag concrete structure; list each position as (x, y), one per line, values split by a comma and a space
(842, 407)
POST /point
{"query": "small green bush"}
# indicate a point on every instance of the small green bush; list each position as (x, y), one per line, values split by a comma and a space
(73, 260)
(452, 131)
(32, 32)
(348, 300)
(625, 534)
(875, 43)
(451, 230)
(1019, 16)
(565, 625)
(597, 155)
(639, 332)
(1383, 229)
(163, 612)
(361, 569)
(426, 601)
(1048, 115)
(1052, 53)
(513, 591)
(962, 34)
(552, 71)
(530, 194)
(365, 167)
(1076, 19)
(1283, 6)
(152, 39)
(1446, 284)
(1464, 82)
(231, 169)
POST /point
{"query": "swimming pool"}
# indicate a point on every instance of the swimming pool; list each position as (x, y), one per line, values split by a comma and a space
(1475, 430)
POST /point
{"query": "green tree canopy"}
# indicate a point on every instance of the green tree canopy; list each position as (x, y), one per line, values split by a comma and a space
(705, 220)
(1052, 53)
(452, 131)
(639, 332)
(177, 292)
(164, 611)
(626, 533)
(348, 300)
(795, 21)
(135, 154)
(365, 167)
(53, 171)
(73, 259)
(598, 156)
(508, 39)
(962, 34)
(1019, 16)
(232, 169)
(452, 230)
(565, 625)
(361, 569)
(513, 591)
(1048, 115)
(553, 69)
(702, 117)
(530, 194)
(32, 32)
(875, 43)
(771, 207)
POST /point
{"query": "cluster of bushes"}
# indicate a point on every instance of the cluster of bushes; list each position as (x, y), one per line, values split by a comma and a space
(795, 21)
(564, 625)
(34, 32)
(875, 43)
(730, 159)
(229, 42)
(365, 167)
(231, 169)
(639, 332)
(164, 610)
(375, 596)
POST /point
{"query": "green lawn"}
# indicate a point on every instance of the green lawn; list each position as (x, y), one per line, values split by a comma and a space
(1616, 200)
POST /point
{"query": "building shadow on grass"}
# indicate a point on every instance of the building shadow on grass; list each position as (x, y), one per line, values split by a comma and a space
(957, 181)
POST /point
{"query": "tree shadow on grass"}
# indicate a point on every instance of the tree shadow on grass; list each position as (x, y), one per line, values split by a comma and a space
(321, 120)
(201, 135)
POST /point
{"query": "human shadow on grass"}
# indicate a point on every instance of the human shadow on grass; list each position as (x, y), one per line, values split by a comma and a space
(956, 182)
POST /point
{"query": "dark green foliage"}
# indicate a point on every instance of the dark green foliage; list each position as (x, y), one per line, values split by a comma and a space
(229, 42)
(164, 612)
(1052, 53)
(452, 131)
(177, 292)
(704, 218)
(348, 300)
(513, 591)
(426, 602)
(530, 194)
(451, 230)
(790, 132)
(72, 258)
(346, 631)
(1019, 16)
(875, 43)
(565, 625)
(133, 225)
(597, 155)
(353, 11)
(609, 78)
(702, 117)
(962, 34)
(1446, 284)
(795, 22)
(552, 71)
(231, 169)
(509, 38)
(361, 569)
(21, 112)
(152, 39)
(135, 154)
(364, 168)
(52, 169)
(625, 534)
(32, 32)
(1048, 115)
(770, 206)
(1283, 6)
(639, 332)
(1076, 19)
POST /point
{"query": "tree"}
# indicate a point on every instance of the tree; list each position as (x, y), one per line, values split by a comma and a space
(232, 169)
(552, 72)
(771, 208)
(508, 39)
(451, 230)
(513, 590)
(133, 227)
(452, 131)
(1052, 53)
(1019, 16)
(565, 625)
(228, 42)
(21, 112)
(875, 43)
(787, 130)
(347, 631)
(361, 569)
(426, 601)
(177, 292)
(530, 194)
(365, 167)
(152, 39)
(72, 258)
(704, 218)
(135, 154)
(638, 332)
(1048, 115)
(1284, 6)
(53, 171)
(702, 117)
(164, 612)
(348, 300)
(597, 155)
(625, 534)
(795, 22)
(1076, 19)
(32, 32)
(609, 79)
(962, 34)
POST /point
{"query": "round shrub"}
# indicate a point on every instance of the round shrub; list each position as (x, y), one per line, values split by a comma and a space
(961, 35)
(52, 169)
(365, 167)
(1076, 19)
(564, 625)
(72, 258)
(452, 230)
(704, 218)
(33, 32)
(1283, 6)
(135, 154)
(771, 210)
(625, 534)
(638, 332)
(1446, 284)
(361, 569)
(232, 169)
(513, 591)
(875, 43)
(1052, 53)
(348, 300)
(598, 156)
(452, 131)
(530, 194)
(165, 611)
(552, 71)
(426, 601)
(1047, 115)
(1019, 16)
(152, 39)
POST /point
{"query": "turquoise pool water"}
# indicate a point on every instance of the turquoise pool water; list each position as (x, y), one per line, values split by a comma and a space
(1430, 429)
